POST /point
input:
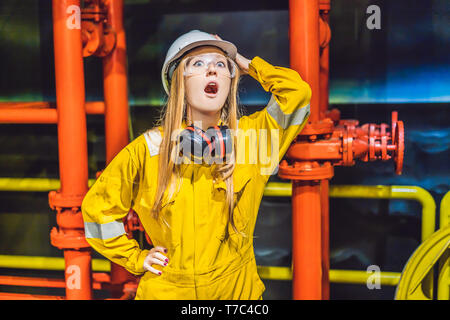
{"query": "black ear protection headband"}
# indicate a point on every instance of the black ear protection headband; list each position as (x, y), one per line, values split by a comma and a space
(210, 146)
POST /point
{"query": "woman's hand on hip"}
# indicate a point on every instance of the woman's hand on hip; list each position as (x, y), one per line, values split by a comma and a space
(155, 256)
(241, 61)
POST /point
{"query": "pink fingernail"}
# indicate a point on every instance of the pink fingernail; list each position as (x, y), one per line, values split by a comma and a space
(167, 260)
(160, 273)
(165, 264)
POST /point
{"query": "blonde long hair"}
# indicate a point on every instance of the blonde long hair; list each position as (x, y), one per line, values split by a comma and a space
(171, 119)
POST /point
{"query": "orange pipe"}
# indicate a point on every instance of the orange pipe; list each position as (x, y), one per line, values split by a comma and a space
(42, 282)
(41, 115)
(72, 143)
(325, 219)
(116, 112)
(92, 107)
(16, 115)
(95, 107)
(78, 274)
(25, 296)
(324, 36)
(304, 46)
(31, 282)
(115, 86)
(324, 64)
(306, 247)
(70, 98)
(306, 195)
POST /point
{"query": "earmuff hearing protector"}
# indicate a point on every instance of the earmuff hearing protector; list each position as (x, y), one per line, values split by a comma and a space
(210, 146)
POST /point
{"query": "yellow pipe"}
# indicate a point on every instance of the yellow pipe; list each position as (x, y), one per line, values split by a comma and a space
(47, 263)
(361, 277)
(32, 184)
(445, 211)
(336, 276)
(282, 189)
(443, 292)
(269, 273)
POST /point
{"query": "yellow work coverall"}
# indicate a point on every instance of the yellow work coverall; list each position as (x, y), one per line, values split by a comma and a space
(203, 264)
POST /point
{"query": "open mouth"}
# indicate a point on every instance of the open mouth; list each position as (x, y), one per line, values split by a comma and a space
(212, 87)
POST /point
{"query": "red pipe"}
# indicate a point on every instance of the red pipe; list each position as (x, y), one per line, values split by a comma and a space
(324, 37)
(70, 98)
(98, 282)
(306, 224)
(307, 251)
(116, 111)
(16, 115)
(31, 282)
(304, 46)
(72, 143)
(39, 112)
(325, 239)
(115, 86)
(25, 296)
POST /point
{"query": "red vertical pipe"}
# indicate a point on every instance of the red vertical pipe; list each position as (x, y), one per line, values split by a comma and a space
(78, 280)
(306, 217)
(116, 110)
(306, 224)
(72, 140)
(324, 70)
(70, 98)
(115, 86)
(324, 206)
(324, 184)
(304, 46)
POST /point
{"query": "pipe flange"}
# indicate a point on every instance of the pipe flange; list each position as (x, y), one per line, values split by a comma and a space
(325, 126)
(384, 142)
(62, 240)
(372, 156)
(347, 148)
(306, 171)
(57, 200)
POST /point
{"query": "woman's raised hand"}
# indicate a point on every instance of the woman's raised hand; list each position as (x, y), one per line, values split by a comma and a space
(155, 256)
(241, 61)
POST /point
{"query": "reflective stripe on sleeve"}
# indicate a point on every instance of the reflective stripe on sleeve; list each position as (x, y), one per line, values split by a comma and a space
(103, 231)
(286, 120)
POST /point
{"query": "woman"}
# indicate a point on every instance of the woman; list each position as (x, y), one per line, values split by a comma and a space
(199, 216)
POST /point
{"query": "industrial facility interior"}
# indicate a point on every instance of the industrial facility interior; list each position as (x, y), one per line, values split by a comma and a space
(378, 139)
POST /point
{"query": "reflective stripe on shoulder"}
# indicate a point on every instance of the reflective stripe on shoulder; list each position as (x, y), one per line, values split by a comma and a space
(286, 120)
(103, 231)
(153, 138)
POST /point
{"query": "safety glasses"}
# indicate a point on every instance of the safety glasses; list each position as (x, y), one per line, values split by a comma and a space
(210, 62)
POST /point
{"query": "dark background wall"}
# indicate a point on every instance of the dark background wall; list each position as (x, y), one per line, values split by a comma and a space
(403, 66)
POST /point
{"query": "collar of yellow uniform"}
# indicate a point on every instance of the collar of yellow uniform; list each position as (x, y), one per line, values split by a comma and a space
(184, 125)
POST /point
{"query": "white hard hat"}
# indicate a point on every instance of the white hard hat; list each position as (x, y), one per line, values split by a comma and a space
(186, 42)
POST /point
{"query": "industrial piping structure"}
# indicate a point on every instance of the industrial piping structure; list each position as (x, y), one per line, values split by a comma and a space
(326, 141)
(96, 30)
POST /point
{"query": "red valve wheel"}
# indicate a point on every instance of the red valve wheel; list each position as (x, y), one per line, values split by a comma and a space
(394, 119)
(400, 147)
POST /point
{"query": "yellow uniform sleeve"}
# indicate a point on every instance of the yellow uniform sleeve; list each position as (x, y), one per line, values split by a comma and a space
(107, 202)
(282, 119)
